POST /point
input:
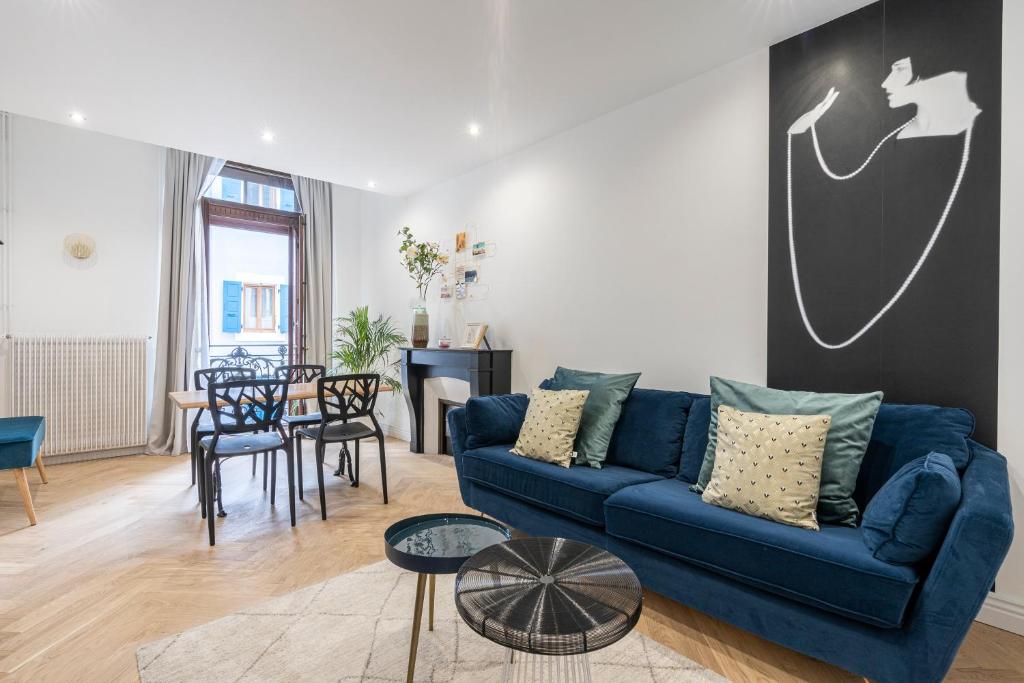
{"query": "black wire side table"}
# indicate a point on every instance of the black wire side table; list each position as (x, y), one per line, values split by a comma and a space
(553, 599)
(436, 544)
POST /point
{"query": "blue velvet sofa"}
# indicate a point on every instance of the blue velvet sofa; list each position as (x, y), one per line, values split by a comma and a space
(821, 593)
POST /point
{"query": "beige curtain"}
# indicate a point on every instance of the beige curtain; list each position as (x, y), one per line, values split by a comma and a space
(187, 177)
(314, 199)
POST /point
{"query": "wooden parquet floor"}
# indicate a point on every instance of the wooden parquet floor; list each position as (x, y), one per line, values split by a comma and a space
(120, 558)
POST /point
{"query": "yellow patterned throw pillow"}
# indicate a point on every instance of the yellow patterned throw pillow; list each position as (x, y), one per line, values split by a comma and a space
(769, 465)
(549, 430)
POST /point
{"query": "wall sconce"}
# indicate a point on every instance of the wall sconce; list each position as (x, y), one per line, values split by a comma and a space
(79, 246)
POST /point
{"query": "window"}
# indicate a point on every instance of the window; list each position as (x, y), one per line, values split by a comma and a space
(268, 190)
(259, 313)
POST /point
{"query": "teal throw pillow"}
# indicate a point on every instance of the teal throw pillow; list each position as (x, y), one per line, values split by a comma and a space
(600, 412)
(853, 416)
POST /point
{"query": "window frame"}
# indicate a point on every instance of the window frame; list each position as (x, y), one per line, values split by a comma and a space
(259, 287)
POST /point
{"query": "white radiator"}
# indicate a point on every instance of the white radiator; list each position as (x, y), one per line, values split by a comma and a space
(91, 390)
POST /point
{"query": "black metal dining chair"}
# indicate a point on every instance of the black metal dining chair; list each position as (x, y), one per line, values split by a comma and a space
(342, 399)
(202, 425)
(246, 420)
(297, 374)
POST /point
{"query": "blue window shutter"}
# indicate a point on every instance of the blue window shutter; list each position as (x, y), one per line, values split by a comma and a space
(282, 323)
(232, 320)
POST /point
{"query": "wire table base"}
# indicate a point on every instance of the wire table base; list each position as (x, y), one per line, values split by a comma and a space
(522, 667)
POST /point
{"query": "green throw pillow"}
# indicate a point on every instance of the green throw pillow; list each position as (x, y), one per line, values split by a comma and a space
(600, 412)
(853, 416)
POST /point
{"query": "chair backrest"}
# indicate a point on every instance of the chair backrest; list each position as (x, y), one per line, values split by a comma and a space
(202, 378)
(346, 397)
(297, 374)
(247, 405)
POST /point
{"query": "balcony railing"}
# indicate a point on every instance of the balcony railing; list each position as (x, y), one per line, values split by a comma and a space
(262, 358)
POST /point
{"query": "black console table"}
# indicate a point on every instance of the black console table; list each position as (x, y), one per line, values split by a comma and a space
(487, 371)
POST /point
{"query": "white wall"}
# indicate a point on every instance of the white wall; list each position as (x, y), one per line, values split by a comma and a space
(66, 180)
(1006, 608)
(636, 241)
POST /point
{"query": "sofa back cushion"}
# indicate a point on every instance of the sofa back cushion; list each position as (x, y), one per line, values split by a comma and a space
(649, 434)
(903, 433)
(493, 420)
(695, 439)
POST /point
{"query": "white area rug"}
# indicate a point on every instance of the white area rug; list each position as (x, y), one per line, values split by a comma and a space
(356, 627)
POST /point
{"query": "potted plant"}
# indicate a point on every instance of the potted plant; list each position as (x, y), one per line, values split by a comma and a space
(365, 345)
(423, 261)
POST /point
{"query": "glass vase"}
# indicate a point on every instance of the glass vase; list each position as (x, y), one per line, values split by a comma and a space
(420, 326)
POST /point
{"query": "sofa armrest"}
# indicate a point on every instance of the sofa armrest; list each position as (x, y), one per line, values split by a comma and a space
(494, 420)
(965, 568)
(457, 429)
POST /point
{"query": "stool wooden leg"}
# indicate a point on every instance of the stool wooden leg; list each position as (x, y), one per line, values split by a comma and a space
(42, 468)
(26, 495)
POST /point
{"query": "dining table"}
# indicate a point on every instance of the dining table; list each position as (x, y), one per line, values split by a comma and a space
(200, 398)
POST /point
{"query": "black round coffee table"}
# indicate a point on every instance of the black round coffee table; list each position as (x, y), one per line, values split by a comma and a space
(548, 596)
(436, 544)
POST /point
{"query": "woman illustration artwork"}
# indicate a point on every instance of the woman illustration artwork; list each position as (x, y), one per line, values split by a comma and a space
(943, 109)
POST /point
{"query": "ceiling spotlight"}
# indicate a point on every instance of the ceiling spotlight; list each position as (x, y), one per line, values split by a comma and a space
(474, 130)
(77, 117)
(267, 136)
(372, 184)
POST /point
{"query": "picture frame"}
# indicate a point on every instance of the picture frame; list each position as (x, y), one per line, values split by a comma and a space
(472, 335)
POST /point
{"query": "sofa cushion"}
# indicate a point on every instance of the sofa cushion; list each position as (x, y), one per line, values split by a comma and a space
(600, 413)
(906, 432)
(20, 440)
(695, 439)
(852, 418)
(494, 420)
(908, 518)
(578, 492)
(649, 435)
(830, 569)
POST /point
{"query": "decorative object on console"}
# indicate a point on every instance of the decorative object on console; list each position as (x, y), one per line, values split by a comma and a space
(422, 260)
(550, 426)
(472, 335)
(444, 343)
(853, 416)
(79, 246)
(601, 413)
(769, 465)
(908, 517)
(365, 346)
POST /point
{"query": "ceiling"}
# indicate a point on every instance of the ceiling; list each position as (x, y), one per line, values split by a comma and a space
(368, 89)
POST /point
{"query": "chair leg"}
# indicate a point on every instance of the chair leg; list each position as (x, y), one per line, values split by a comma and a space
(320, 478)
(193, 448)
(297, 448)
(26, 494)
(219, 489)
(273, 475)
(208, 487)
(201, 469)
(355, 479)
(264, 471)
(42, 468)
(254, 456)
(383, 468)
(291, 480)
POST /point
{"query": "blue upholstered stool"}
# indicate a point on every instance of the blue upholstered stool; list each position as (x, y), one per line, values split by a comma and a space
(20, 440)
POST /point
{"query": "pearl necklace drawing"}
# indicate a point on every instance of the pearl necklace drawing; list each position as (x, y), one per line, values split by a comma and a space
(835, 176)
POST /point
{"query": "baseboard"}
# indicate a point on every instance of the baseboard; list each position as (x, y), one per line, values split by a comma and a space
(396, 431)
(92, 455)
(1004, 613)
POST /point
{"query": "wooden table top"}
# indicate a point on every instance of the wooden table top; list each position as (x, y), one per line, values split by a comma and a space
(200, 399)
